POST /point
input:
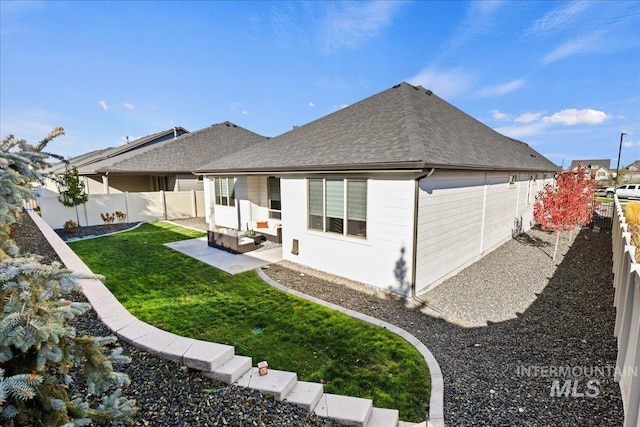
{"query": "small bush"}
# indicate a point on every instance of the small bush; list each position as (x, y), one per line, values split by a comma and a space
(108, 218)
(71, 227)
(122, 217)
(632, 213)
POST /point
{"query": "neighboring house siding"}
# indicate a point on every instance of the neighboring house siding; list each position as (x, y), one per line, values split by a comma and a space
(463, 215)
(131, 183)
(382, 259)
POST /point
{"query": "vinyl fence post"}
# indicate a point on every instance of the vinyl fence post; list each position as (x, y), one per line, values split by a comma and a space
(163, 199)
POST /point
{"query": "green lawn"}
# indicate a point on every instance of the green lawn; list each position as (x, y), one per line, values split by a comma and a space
(182, 295)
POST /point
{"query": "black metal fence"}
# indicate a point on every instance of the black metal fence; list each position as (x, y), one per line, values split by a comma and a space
(602, 215)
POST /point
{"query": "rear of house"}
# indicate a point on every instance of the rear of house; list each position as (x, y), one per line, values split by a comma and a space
(398, 191)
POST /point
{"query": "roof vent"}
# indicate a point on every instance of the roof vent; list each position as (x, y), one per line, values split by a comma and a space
(396, 86)
(428, 92)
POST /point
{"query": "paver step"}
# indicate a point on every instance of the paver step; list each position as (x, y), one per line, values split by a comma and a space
(277, 383)
(232, 370)
(381, 417)
(351, 411)
(407, 424)
(156, 341)
(132, 332)
(207, 356)
(176, 349)
(305, 395)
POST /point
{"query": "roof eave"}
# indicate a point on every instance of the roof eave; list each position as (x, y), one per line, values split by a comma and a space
(404, 166)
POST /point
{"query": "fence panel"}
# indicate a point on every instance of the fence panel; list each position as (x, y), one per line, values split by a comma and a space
(602, 215)
(180, 204)
(144, 206)
(627, 326)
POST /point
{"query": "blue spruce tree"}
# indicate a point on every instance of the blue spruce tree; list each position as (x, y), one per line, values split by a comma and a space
(39, 350)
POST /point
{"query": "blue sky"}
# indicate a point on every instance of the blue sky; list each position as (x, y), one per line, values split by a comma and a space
(561, 76)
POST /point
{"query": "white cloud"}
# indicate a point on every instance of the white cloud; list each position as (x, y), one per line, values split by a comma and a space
(444, 83)
(499, 115)
(245, 113)
(350, 25)
(558, 18)
(585, 44)
(128, 106)
(528, 118)
(311, 104)
(521, 131)
(572, 117)
(234, 105)
(499, 90)
(104, 105)
(480, 19)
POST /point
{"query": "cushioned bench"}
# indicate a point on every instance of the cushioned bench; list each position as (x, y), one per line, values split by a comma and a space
(271, 229)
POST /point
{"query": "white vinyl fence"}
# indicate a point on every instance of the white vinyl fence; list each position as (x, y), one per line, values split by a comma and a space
(136, 206)
(627, 330)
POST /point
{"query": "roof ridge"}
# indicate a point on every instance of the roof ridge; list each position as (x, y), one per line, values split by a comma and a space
(416, 147)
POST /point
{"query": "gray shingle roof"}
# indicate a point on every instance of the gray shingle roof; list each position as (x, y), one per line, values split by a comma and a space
(187, 152)
(401, 127)
(592, 164)
(87, 164)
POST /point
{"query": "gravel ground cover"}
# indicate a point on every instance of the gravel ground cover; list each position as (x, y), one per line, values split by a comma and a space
(494, 375)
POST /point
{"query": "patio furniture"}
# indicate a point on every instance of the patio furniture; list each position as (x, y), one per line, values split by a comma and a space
(271, 229)
(230, 241)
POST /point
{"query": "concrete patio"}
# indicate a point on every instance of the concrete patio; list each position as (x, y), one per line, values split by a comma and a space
(227, 261)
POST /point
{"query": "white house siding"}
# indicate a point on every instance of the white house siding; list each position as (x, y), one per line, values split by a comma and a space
(222, 216)
(464, 215)
(383, 259)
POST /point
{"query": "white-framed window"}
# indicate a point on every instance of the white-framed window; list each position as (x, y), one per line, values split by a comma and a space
(273, 194)
(513, 179)
(224, 189)
(338, 206)
(532, 178)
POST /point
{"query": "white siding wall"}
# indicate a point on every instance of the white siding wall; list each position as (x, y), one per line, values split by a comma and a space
(383, 259)
(464, 215)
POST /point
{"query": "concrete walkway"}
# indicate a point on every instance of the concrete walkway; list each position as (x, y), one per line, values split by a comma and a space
(220, 361)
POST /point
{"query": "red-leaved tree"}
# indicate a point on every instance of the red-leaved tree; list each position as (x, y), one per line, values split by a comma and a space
(565, 205)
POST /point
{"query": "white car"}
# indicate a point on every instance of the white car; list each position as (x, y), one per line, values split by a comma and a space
(626, 191)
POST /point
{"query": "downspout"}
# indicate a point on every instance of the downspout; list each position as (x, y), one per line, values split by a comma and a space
(414, 260)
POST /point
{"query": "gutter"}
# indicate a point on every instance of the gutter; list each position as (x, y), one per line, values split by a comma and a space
(414, 260)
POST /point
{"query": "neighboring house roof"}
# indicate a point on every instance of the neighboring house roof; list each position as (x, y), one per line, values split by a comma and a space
(86, 162)
(77, 161)
(185, 153)
(592, 164)
(634, 166)
(400, 128)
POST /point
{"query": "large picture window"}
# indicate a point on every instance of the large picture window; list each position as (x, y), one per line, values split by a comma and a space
(224, 189)
(338, 206)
